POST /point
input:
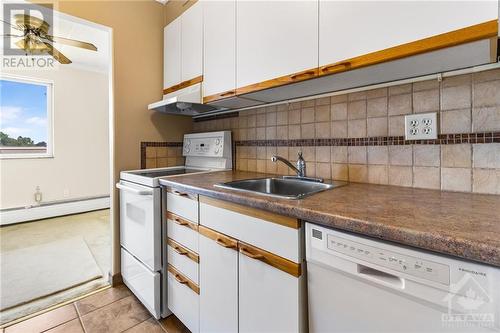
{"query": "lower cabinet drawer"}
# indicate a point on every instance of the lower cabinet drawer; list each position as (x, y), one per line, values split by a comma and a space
(182, 231)
(183, 259)
(183, 299)
(183, 204)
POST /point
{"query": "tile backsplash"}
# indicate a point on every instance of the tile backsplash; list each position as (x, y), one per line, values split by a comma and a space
(161, 154)
(359, 136)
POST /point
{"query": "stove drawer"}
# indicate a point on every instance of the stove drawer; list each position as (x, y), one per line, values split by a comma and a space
(144, 283)
(183, 204)
(182, 231)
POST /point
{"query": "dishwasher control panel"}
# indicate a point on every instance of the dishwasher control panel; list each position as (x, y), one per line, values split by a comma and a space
(417, 267)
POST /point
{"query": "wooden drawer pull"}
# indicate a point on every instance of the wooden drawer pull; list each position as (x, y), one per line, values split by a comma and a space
(180, 279)
(179, 221)
(342, 65)
(304, 75)
(182, 194)
(179, 250)
(222, 242)
(250, 254)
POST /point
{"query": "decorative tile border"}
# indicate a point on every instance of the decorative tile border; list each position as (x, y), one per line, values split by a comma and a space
(443, 139)
(145, 144)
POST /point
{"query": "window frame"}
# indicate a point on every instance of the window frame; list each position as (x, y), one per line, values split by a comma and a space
(49, 85)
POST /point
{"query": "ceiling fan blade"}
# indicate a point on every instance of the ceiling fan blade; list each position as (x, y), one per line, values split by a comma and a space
(12, 25)
(57, 55)
(71, 42)
(15, 36)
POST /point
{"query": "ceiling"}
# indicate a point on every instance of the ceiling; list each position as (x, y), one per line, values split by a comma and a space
(74, 28)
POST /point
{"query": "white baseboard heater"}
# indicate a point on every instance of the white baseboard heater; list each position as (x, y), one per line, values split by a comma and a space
(53, 209)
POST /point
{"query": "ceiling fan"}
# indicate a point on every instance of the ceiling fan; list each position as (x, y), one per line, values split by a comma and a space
(36, 40)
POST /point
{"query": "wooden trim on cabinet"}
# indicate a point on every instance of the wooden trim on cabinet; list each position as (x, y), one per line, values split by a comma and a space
(221, 239)
(182, 221)
(183, 85)
(253, 212)
(183, 251)
(219, 96)
(269, 258)
(188, 195)
(280, 81)
(182, 279)
(465, 35)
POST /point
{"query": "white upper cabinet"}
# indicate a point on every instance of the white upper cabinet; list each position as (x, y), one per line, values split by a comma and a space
(192, 42)
(219, 45)
(274, 39)
(183, 47)
(352, 28)
(172, 54)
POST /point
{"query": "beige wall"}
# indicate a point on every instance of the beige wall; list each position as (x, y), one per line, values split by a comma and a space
(174, 8)
(138, 74)
(80, 166)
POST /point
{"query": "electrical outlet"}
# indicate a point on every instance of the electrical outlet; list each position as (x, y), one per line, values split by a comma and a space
(421, 126)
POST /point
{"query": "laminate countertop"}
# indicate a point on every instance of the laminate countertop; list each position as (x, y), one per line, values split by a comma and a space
(464, 225)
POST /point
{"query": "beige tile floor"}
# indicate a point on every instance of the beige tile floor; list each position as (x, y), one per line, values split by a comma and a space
(111, 310)
(94, 227)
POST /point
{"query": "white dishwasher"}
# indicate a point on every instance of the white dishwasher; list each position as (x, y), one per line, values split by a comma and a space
(358, 284)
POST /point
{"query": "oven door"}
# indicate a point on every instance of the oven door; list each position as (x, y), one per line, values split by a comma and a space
(140, 222)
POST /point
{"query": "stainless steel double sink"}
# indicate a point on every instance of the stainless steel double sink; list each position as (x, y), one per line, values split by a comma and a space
(285, 187)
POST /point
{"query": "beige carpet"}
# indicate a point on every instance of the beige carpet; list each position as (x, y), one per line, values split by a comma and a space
(94, 227)
(41, 270)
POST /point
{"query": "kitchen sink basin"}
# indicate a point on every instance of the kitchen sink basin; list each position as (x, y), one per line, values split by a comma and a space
(285, 188)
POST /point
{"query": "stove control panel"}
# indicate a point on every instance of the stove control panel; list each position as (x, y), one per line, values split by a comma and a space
(402, 263)
(213, 144)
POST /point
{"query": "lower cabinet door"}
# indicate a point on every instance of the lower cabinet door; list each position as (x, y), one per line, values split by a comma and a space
(218, 282)
(183, 299)
(270, 299)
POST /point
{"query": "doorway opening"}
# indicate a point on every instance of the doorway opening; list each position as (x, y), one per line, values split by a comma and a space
(56, 166)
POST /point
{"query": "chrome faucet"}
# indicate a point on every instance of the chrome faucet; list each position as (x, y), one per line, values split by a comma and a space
(301, 164)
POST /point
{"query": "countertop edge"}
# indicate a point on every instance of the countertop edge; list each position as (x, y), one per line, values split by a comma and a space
(407, 237)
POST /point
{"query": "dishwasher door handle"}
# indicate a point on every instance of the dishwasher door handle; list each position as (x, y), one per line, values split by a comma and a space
(380, 277)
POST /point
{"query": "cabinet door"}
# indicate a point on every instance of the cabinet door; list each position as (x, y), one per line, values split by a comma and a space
(275, 39)
(192, 42)
(218, 282)
(172, 54)
(269, 298)
(219, 43)
(352, 28)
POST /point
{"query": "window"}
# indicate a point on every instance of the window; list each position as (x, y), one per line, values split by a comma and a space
(25, 118)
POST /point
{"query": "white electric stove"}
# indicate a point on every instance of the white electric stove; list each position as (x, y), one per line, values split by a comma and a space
(142, 236)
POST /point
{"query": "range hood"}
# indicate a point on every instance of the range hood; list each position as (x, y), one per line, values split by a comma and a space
(184, 102)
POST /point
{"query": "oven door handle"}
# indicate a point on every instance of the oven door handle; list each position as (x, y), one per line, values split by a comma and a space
(133, 190)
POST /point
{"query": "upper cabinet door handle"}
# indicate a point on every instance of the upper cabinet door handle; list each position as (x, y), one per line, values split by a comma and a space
(302, 75)
(227, 93)
(336, 67)
(249, 254)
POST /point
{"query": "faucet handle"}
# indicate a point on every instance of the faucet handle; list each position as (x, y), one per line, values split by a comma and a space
(299, 155)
